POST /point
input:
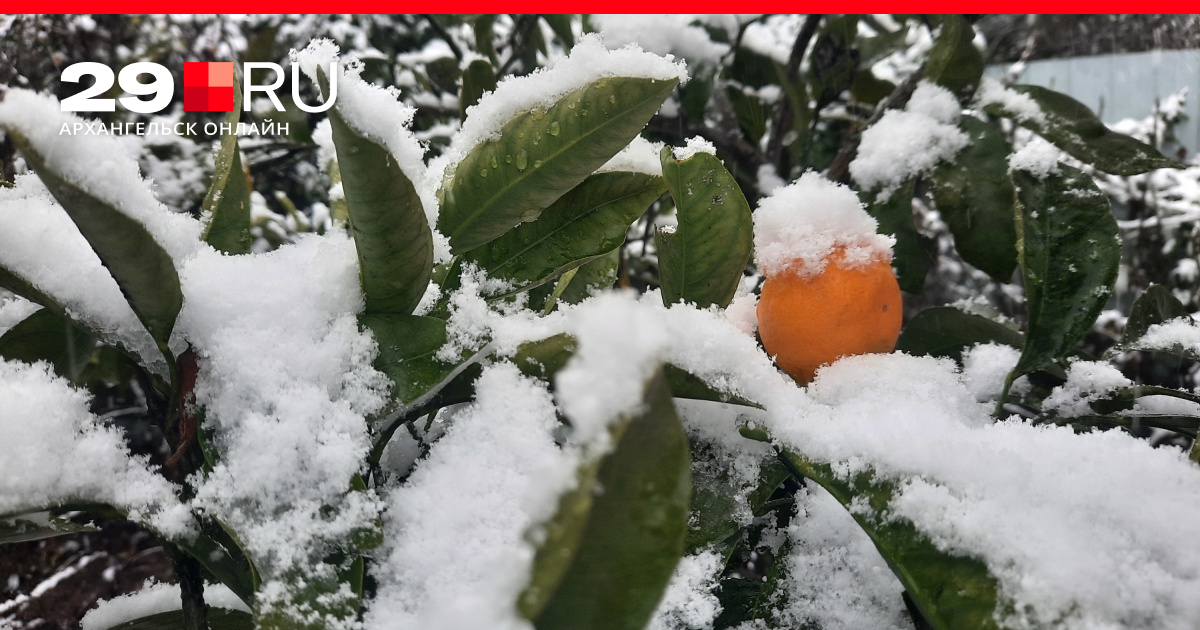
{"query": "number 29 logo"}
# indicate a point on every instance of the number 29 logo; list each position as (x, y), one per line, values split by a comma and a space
(207, 87)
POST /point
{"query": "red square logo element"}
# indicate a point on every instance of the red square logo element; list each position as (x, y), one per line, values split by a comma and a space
(207, 87)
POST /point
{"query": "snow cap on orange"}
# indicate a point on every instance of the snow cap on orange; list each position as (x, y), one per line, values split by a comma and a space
(799, 226)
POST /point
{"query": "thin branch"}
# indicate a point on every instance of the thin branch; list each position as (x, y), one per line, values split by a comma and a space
(783, 115)
(840, 167)
(445, 35)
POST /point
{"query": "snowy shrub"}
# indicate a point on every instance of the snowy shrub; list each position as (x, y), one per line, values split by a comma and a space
(431, 397)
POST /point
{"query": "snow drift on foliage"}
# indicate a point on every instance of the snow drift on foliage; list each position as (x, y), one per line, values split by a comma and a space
(53, 451)
(154, 598)
(41, 244)
(798, 226)
(1079, 530)
(102, 165)
(904, 143)
(286, 382)
(457, 555)
(514, 96)
(662, 35)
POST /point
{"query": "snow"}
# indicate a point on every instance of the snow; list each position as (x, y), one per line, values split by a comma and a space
(641, 156)
(904, 143)
(378, 115)
(690, 601)
(41, 244)
(836, 579)
(1038, 158)
(589, 61)
(986, 366)
(13, 311)
(458, 553)
(68, 455)
(662, 35)
(1181, 333)
(799, 226)
(101, 165)
(154, 598)
(1087, 382)
(1021, 106)
(286, 391)
(691, 147)
(743, 313)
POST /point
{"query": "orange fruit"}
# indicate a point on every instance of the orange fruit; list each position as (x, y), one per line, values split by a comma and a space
(806, 321)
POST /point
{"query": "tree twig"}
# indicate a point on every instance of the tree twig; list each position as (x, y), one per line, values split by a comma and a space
(783, 115)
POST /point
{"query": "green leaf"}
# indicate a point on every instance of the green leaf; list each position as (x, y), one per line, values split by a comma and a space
(222, 555)
(52, 337)
(945, 331)
(952, 592)
(592, 277)
(703, 260)
(1069, 249)
(144, 271)
(38, 526)
(478, 79)
(954, 62)
(587, 222)
(228, 198)
(607, 555)
(976, 198)
(1154, 306)
(714, 509)
(407, 345)
(913, 254)
(561, 25)
(391, 232)
(542, 154)
(218, 619)
(834, 59)
(1072, 127)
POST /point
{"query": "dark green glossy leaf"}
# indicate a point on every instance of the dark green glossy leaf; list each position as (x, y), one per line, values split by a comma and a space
(218, 619)
(951, 592)
(37, 526)
(407, 345)
(608, 555)
(945, 331)
(975, 197)
(592, 277)
(1154, 306)
(703, 260)
(52, 337)
(715, 509)
(540, 155)
(391, 232)
(561, 25)
(954, 62)
(1072, 127)
(1068, 246)
(222, 555)
(587, 222)
(144, 271)
(228, 198)
(834, 59)
(913, 254)
(478, 79)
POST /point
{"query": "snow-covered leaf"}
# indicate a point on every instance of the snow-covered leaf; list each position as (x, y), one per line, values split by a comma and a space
(702, 261)
(1072, 127)
(608, 554)
(946, 331)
